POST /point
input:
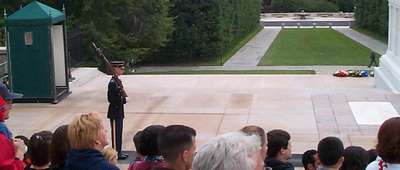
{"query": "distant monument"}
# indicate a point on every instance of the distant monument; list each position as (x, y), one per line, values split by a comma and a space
(387, 75)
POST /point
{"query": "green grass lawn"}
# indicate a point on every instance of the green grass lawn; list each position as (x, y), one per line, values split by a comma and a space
(316, 46)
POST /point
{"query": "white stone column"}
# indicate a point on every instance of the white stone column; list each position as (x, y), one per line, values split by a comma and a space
(396, 31)
(390, 31)
(395, 34)
(387, 75)
(392, 28)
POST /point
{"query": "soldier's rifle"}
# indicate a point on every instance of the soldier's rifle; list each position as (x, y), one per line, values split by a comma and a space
(99, 52)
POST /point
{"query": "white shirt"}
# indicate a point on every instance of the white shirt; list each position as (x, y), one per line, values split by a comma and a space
(375, 165)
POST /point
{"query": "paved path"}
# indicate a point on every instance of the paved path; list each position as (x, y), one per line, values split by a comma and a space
(310, 107)
(317, 69)
(364, 40)
(251, 53)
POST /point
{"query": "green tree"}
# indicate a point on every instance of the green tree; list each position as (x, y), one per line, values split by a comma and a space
(284, 5)
(306, 5)
(205, 30)
(124, 28)
(372, 15)
(345, 5)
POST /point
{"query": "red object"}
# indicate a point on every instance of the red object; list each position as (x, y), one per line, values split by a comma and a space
(3, 106)
(7, 156)
(147, 165)
(341, 73)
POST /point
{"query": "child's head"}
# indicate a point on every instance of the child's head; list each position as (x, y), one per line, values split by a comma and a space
(110, 155)
(136, 141)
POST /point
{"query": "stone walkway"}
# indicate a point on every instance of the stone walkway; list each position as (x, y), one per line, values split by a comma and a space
(317, 69)
(310, 107)
(369, 42)
(251, 53)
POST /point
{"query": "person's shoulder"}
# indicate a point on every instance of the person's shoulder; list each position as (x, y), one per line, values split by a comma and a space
(161, 168)
(112, 80)
(105, 165)
(373, 165)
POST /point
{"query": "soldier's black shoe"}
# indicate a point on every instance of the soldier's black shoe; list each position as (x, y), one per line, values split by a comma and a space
(122, 156)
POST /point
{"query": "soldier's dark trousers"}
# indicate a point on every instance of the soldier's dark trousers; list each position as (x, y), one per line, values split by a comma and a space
(373, 63)
(116, 133)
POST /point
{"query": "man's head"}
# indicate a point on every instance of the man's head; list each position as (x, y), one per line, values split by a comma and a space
(279, 146)
(7, 95)
(118, 66)
(6, 101)
(330, 152)
(256, 130)
(177, 145)
(310, 160)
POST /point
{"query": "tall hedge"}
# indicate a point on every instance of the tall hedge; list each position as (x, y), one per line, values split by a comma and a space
(205, 29)
(306, 5)
(345, 5)
(2, 36)
(372, 15)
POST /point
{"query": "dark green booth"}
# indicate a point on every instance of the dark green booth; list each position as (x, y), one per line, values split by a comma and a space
(38, 64)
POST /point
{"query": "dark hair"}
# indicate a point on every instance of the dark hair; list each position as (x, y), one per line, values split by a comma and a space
(149, 140)
(39, 148)
(308, 157)
(372, 155)
(23, 138)
(355, 158)
(255, 130)
(26, 155)
(59, 147)
(136, 141)
(388, 146)
(277, 139)
(330, 150)
(174, 140)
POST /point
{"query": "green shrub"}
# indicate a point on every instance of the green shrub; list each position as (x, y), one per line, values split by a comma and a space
(306, 5)
(345, 5)
(317, 6)
(2, 32)
(372, 15)
(205, 30)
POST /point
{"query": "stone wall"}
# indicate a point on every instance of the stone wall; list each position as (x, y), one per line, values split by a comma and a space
(310, 14)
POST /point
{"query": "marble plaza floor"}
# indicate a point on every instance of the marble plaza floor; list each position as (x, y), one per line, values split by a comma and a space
(310, 107)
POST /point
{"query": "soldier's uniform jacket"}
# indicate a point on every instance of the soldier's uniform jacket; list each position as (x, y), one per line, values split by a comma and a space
(116, 100)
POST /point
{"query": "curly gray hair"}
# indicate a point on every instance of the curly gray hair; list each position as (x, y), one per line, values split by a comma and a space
(230, 151)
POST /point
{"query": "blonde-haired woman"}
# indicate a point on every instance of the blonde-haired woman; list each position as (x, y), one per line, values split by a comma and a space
(87, 136)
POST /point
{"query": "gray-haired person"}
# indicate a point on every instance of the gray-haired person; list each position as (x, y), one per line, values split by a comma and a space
(230, 151)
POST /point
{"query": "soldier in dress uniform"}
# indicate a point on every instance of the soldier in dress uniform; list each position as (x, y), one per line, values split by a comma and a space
(117, 99)
(373, 59)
